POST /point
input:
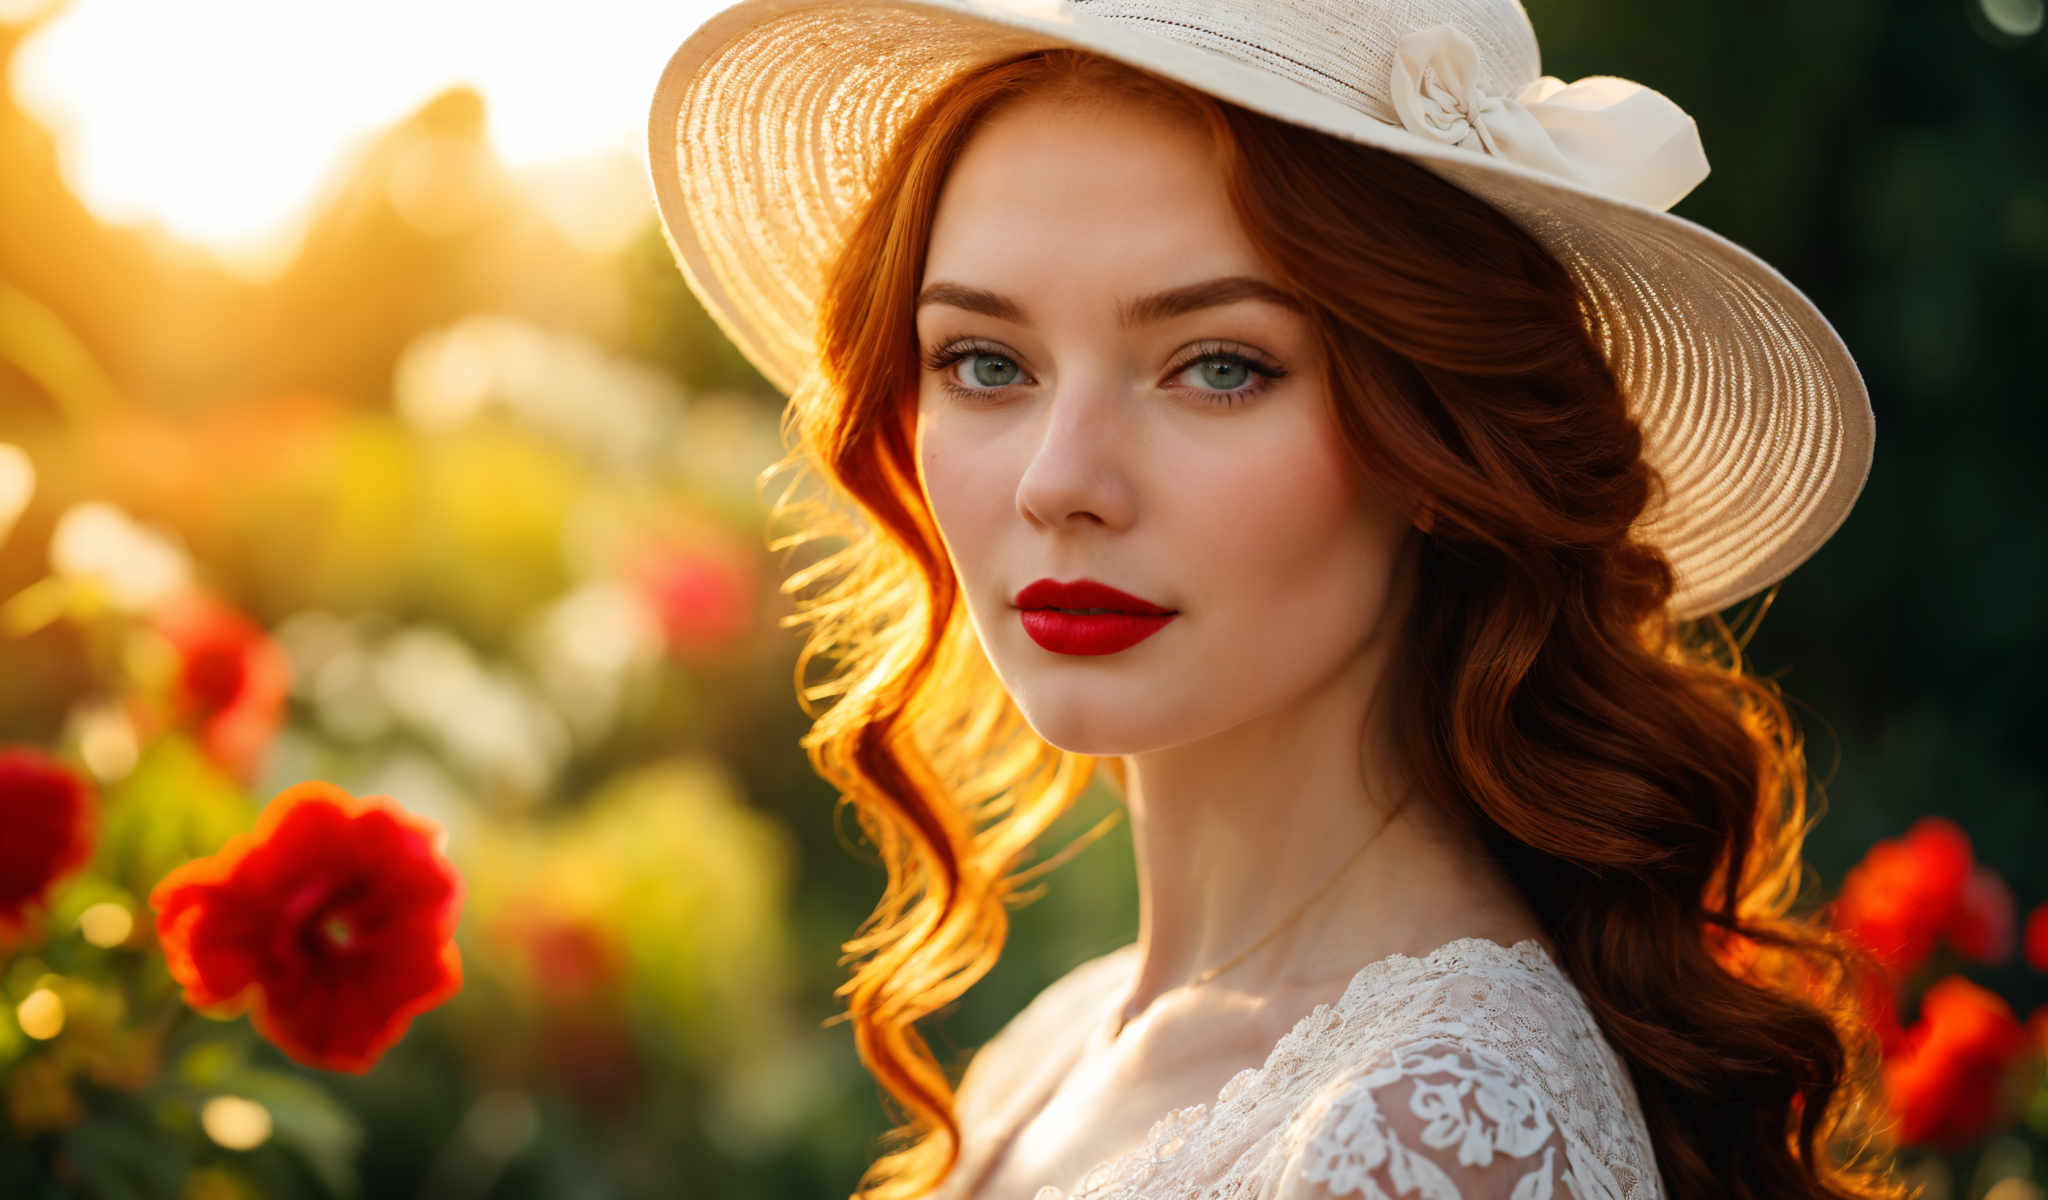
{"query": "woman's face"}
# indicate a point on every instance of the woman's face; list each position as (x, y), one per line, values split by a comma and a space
(1095, 405)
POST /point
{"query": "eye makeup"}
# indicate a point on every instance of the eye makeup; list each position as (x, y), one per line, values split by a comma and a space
(1263, 373)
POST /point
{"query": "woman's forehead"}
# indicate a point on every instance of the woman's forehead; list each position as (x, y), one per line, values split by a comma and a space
(1040, 207)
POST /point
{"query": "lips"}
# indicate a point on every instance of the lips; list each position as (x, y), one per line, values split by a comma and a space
(1087, 618)
(1083, 594)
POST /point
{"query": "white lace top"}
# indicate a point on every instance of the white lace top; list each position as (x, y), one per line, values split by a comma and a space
(1476, 1071)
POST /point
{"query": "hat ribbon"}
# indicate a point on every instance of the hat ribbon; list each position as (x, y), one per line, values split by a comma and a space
(1610, 134)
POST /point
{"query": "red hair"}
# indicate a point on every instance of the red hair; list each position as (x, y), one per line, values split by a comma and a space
(1645, 794)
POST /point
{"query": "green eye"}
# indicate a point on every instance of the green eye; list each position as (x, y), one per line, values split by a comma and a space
(1232, 372)
(1001, 376)
(1228, 378)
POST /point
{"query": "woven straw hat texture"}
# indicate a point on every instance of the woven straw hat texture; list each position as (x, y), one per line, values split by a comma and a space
(770, 117)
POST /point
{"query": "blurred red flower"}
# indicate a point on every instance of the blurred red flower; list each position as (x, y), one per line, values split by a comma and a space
(570, 958)
(2037, 938)
(1906, 892)
(335, 917)
(1982, 928)
(701, 588)
(232, 681)
(51, 815)
(1944, 1083)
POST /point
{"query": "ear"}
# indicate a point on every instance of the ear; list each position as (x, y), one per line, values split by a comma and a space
(1425, 518)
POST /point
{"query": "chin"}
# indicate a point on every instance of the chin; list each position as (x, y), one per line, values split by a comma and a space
(1102, 725)
(1095, 743)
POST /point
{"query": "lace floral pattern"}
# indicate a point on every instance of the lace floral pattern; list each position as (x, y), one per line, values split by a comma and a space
(1474, 1071)
(1469, 1113)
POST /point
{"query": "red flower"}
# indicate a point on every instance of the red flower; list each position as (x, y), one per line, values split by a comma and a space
(50, 816)
(2037, 938)
(1981, 929)
(1944, 1083)
(570, 958)
(1905, 893)
(701, 589)
(336, 917)
(232, 678)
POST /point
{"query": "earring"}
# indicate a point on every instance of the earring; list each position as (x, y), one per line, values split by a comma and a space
(1425, 519)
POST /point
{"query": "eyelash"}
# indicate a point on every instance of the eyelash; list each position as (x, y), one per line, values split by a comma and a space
(942, 358)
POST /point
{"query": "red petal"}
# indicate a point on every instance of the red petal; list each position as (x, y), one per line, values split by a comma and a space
(51, 817)
(249, 923)
(2037, 938)
(1982, 928)
(347, 1021)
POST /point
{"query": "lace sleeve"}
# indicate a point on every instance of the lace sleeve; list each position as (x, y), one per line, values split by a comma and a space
(1436, 1119)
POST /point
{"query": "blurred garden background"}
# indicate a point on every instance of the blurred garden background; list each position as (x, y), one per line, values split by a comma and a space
(355, 426)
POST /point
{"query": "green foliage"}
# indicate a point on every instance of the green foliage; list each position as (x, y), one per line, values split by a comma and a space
(174, 806)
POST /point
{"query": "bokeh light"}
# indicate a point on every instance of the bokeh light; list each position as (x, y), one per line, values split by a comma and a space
(2014, 18)
(41, 1014)
(106, 740)
(235, 1123)
(106, 924)
(133, 564)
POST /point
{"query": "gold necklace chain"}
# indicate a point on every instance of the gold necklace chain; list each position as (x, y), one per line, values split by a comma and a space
(1213, 972)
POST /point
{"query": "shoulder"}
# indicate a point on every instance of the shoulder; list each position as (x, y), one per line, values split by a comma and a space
(1490, 1081)
(1055, 1016)
(1076, 995)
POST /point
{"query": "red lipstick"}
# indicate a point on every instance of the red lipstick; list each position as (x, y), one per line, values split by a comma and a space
(1086, 617)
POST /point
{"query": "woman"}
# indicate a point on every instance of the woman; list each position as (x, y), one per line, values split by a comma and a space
(1308, 414)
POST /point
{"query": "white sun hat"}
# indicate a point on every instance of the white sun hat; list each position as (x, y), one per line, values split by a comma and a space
(769, 119)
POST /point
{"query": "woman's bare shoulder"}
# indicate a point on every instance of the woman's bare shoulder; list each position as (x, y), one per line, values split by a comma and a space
(1052, 1018)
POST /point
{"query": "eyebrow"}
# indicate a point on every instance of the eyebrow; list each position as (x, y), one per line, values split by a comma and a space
(1159, 306)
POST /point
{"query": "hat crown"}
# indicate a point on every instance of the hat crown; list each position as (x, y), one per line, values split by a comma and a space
(1342, 48)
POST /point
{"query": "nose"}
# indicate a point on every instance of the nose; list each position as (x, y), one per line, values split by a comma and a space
(1080, 468)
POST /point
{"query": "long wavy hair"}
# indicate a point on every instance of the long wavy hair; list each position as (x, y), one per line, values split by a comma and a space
(1644, 792)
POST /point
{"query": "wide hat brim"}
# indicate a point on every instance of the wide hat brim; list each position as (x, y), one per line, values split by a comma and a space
(769, 118)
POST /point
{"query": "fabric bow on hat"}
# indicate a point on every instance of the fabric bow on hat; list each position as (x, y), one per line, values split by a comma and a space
(1613, 135)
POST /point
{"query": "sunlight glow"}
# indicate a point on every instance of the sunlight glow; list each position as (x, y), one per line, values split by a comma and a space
(235, 1123)
(18, 12)
(222, 121)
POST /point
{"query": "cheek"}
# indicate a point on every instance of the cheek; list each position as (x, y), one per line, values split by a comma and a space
(960, 481)
(1292, 544)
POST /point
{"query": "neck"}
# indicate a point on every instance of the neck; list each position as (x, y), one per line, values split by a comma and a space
(1232, 832)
